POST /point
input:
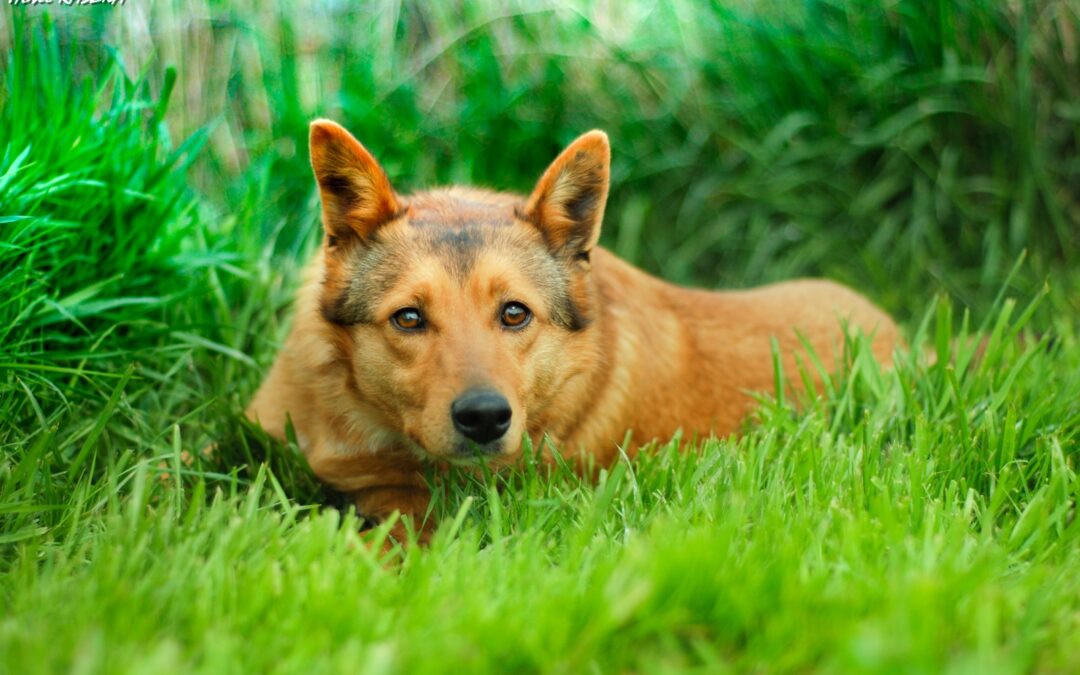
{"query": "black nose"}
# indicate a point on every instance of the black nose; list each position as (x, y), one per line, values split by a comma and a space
(482, 416)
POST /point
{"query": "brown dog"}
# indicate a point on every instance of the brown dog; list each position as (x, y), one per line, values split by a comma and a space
(444, 325)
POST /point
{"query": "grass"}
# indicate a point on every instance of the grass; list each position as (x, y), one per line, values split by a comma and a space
(921, 519)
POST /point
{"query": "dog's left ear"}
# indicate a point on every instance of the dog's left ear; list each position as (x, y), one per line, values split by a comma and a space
(567, 204)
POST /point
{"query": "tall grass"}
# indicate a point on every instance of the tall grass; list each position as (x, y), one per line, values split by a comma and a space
(95, 211)
(155, 205)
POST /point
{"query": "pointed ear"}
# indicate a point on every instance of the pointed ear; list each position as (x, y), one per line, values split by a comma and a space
(567, 204)
(356, 195)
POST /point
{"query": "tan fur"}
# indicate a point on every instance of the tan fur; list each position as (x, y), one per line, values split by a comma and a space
(610, 349)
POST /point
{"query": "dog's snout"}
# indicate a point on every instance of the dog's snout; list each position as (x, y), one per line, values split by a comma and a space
(481, 416)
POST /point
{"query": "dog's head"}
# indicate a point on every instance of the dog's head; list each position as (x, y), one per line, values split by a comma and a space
(456, 309)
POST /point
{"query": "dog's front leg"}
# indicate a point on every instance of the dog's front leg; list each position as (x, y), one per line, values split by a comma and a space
(381, 484)
(409, 504)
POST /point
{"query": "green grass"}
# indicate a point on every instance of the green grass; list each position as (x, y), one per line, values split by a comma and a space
(155, 208)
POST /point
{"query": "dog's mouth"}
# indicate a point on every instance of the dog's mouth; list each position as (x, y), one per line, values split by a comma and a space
(472, 452)
(463, 452)
(458, 451)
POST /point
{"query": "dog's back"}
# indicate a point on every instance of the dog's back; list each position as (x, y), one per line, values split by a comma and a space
(691, 360)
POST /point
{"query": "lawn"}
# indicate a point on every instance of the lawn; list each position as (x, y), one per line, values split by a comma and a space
(156, 208)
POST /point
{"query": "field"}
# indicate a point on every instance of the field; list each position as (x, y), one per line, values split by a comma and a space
(156, 207)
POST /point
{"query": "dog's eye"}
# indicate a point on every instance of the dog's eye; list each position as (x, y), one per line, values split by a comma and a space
(515, 315)
(409, 319)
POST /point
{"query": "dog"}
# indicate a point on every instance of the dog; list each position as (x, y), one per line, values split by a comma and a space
(446, 325)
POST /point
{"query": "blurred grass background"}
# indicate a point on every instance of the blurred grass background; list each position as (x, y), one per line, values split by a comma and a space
(902, 147)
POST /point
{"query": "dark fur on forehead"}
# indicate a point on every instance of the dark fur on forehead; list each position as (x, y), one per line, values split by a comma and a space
(457, 248)
(454, 226)
(369, 273)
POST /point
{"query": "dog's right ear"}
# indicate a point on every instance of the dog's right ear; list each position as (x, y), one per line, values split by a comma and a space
(356, 195)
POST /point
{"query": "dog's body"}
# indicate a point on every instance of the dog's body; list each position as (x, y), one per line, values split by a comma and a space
(447, 324)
